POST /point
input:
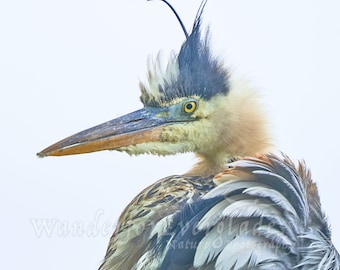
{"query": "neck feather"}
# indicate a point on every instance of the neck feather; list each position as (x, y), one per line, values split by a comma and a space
(242, 130)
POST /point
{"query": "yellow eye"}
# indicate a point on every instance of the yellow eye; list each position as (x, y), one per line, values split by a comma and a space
(190, 107)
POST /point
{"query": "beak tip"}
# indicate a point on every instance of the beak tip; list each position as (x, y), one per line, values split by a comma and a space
(41, 154)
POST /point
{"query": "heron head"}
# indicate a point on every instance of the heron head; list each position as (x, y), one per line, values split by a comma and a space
(189, 106)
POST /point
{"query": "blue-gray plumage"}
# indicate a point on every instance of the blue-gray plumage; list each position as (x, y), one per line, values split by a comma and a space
(263, 213)
(238, 207)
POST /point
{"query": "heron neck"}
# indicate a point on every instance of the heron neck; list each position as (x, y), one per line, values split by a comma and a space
(241, 130)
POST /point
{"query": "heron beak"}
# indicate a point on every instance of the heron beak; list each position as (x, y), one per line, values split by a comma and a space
(144, 125)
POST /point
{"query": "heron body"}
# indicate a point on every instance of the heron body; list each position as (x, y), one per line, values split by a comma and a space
(259, 213)
(238, 207)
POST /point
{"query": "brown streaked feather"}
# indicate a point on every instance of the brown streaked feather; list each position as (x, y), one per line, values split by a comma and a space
(131, 236)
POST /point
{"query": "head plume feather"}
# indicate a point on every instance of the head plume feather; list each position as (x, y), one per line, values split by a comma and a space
(191, 72)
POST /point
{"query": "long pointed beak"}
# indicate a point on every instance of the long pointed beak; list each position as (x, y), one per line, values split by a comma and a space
(144, 125)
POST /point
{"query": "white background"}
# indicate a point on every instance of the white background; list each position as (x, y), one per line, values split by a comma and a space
(68, 65)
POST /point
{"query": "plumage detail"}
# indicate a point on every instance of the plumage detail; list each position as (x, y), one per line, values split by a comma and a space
(133, 232)
(261, 220)
(318, 252)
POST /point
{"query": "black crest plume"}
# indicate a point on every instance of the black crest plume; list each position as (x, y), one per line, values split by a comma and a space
(198, 73)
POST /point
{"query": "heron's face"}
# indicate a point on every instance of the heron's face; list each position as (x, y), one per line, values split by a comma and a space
(179, 105)
(187, 125)
(180, 126)
(188, 107)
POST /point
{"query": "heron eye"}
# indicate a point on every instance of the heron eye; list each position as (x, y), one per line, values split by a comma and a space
(190, 107)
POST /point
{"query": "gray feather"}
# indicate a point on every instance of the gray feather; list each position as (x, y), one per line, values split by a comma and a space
(246, 252)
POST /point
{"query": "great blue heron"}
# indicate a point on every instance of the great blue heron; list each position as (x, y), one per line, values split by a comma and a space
(229, 211)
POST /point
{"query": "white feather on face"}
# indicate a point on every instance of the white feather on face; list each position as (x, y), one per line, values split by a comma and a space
(159, 75)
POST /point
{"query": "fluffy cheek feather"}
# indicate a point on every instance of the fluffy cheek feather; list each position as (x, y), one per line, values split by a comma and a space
(156, 148)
